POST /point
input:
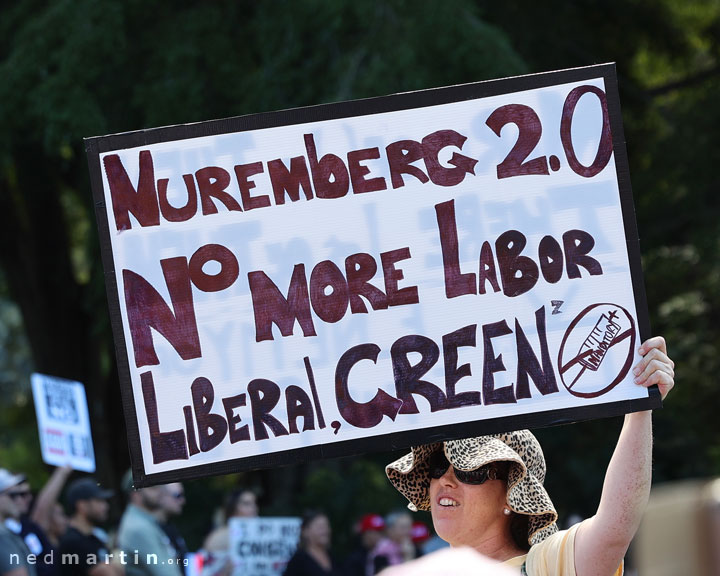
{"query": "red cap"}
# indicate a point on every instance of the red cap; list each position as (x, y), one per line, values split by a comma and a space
(419, 532)
(372, 522)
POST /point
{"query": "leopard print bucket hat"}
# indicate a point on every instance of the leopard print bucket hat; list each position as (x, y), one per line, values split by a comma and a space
(525, 492)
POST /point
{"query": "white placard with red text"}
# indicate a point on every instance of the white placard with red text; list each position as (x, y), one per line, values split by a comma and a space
(322, 284)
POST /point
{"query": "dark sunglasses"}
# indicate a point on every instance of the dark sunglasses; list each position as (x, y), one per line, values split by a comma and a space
(439, 464)
(20, 494)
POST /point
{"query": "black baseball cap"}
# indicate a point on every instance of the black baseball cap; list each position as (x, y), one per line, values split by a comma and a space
(85, 489)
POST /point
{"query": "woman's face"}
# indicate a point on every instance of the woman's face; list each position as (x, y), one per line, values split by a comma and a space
(246, 506)
(401, 529)
(467, 514)
(317, 532)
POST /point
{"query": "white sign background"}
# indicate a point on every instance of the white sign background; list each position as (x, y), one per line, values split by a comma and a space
(274, 239)
(63, 422)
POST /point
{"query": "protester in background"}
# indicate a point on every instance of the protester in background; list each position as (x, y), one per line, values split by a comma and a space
(240, 503)
(57, 525)
(419, 534)
(433, 544)
(370, 529)
(396, 547)
(171, 505)
(11, 545)
(47, 512)
(312, 557)
(31, 533)
(487, 492)
(140, 537)
(88, 507)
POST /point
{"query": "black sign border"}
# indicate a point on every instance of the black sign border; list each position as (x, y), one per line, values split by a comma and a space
(410, 100)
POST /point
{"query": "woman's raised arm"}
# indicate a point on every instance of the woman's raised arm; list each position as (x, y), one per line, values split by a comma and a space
(603, 540)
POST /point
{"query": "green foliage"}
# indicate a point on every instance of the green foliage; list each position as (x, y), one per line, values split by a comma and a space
(86, 67)
(667, 56)
(14, 353)
(19, 443)
(58, 65)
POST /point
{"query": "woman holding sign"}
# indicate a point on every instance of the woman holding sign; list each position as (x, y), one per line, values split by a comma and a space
(487, 492)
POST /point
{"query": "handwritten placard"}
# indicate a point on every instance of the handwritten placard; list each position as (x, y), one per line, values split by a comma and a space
(63, 422)
(262, 546)
(366, 275)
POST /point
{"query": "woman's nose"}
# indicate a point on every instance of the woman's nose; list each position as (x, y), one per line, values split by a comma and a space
(449, 477)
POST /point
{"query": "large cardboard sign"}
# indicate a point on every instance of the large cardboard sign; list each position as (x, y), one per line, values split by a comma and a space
(262, 546)
(367, 275)
(63, 422)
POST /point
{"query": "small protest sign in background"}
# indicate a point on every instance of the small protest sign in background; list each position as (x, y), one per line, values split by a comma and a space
(367, 275)
(262, 546)
(63, 422)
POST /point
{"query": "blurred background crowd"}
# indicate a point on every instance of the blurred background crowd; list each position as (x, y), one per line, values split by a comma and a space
(76, 527)
(72, 526)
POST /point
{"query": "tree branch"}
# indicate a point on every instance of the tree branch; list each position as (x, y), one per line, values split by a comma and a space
(686, 82)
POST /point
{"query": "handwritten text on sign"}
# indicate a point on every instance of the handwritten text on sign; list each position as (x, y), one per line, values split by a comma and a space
(304, 284)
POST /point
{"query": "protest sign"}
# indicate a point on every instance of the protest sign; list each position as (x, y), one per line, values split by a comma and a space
(367, 275)
(262, 546)
(63, 422)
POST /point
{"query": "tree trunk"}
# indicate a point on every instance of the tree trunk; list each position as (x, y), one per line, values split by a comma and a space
(61, 326)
